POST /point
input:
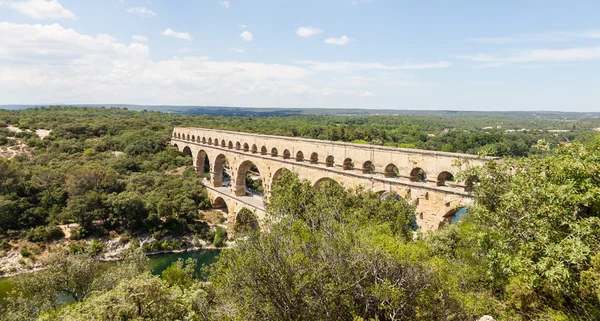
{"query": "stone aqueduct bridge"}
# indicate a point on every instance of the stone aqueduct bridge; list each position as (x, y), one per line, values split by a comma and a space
(425, 176)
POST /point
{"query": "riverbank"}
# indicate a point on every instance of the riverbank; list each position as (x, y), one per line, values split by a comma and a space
(27, 257)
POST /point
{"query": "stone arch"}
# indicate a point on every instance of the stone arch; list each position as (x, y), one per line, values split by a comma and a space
(314, 158)
(223, 143)
(230, 145)
(179, 135)
(203, 140)
(274, 152)
(254, 149)
(286, 154)
(299, 156)
(385, 194)
(322, 180)
(219, 169)
(330, 161)
(238, 146)
(417, 174)
(220, 204)
(240, 178)
(188, 137)
(263, 150)
(177, 147)
(202, 163)
(245, 221)
(187, 151)
(246, 147)
(174, 135)
(216, 142)
(453, 215)
(391, 171)
(209, 141)
(368, 167)
(348, 164)
(444, 177)
(277, 174)
(193, 138)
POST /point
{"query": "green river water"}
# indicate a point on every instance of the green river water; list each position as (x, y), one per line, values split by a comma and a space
(158, 263)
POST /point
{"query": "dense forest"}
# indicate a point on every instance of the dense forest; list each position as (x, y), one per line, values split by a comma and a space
(528, 250)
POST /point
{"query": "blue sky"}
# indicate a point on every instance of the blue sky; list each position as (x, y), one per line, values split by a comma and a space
(463, 55)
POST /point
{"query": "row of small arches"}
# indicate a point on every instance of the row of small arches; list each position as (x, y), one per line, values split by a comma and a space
(417, 174)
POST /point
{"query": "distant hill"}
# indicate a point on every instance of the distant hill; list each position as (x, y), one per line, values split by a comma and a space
(250, 111)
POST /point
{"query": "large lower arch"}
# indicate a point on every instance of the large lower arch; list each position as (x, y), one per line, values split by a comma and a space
(240, 179)
(187, 151)
(322, 181)
(220, 175)
(278, 173)
(453, 215)
(202, 163)
(220, 204)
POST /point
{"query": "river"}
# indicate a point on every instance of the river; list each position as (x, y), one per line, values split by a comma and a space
(158, 263)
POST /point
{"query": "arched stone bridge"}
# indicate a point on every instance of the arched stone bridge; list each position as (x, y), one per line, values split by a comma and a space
(427, 177)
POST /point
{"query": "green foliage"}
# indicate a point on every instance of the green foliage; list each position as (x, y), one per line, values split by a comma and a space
(538, 226)
(180, 273)
(45, 233)
(246, 223)
(129, 301)
(26, 253)
(333, 255)
(220, 237)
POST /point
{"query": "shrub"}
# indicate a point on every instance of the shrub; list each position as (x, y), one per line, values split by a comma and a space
(220, 237)
(95, 247)
(4, 245)
(25, 253)
(45, 233)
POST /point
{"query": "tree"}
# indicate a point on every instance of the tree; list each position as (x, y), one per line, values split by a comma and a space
(246, 222)
(332, 254)
(180, 273)
(538, 222)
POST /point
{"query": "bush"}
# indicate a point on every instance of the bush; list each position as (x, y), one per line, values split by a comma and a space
(95, 247)
(4, 245)
(220, 237)
(45, 233)
(25, 253)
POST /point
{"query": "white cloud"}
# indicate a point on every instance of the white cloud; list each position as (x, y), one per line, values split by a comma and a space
(40, 9)
(142, 11)
(179, 35)
(247, 36)
(338, 41)
(53, 64)
(345, 66)
(139, 38)
(243, 26)
(224, 3)
(308, 31)
(538, 55)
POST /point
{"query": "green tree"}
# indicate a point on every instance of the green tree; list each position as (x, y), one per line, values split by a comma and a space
(538, 221)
